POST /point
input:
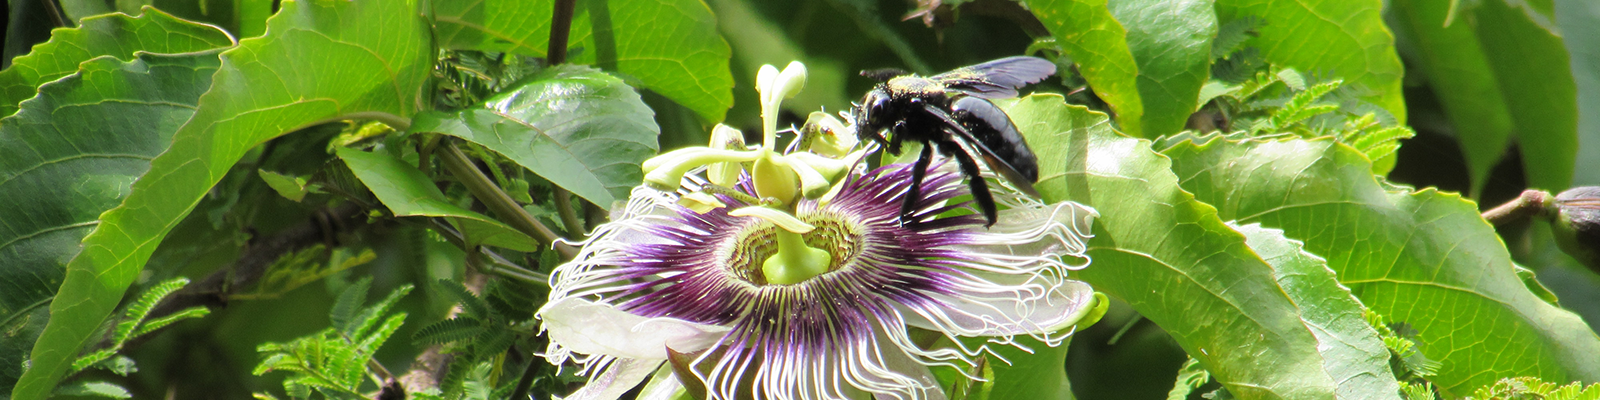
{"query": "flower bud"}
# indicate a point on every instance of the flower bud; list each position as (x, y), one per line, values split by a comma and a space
(1577, 224)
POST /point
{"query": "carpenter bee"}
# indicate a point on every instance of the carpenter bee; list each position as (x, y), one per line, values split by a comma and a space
(951, 111)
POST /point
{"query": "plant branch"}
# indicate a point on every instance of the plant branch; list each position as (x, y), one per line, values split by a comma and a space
(496, 199)
(560, 28)
(1530, 203)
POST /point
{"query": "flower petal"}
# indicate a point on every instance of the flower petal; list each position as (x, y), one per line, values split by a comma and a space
(586, 327)
(618, 378)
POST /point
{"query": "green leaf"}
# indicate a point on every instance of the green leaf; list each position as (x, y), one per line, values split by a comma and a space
(668, 46)
(1424, 258)
(1353, 353)
(450, 330)
(1454, 62)
(1171, 42)
(290, 187)
(1577, 19)
(1174, 260)
(408, 192)
(577, 127)
(55, 150)
(349, 302)
(1040, 374)
(1191, 376)
(141, 308)
(1099, 45)
(364, 322)
(1532, 67)
(265, 87)
(95, 389)
(117, 35)
(1346, 39)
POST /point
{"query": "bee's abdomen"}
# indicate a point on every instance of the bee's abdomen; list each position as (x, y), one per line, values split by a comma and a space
(994, 128)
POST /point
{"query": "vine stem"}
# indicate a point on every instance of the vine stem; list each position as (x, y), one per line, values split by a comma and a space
(497, 200)
(569, 217)
(560, 28)
(1530, 203)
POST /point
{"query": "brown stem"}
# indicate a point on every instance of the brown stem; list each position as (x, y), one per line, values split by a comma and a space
(1531, 203)
(560, 28)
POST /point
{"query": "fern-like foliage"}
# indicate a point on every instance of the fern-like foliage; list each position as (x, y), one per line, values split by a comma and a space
(483, 333)
(1190, 377)
(335, 361)
(1534, 388)
(133, 324)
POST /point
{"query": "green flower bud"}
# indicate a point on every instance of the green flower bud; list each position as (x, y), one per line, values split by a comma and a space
(1577, 224)
(724, 137)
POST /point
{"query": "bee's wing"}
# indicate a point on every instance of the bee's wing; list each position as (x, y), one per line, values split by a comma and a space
(972, 145)
(998, 79)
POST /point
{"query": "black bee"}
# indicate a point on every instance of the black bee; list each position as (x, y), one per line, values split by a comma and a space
(951, 111)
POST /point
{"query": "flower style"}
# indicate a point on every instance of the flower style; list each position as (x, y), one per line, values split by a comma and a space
(665, 277)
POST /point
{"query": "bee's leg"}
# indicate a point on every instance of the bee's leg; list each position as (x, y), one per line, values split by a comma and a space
(980, 187)
(919, 170)
(894, 143)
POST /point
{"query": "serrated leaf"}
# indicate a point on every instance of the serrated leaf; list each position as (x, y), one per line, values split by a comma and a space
(669, 46)
(575, 126)
(265, 87)
(408, 192)
(1453, 61)
(1173, 259)
(1397, 249)
(1099, 45)
(117, 35)
(1171, 42)
(60, 137)
(1353, 353)
(1342, 39)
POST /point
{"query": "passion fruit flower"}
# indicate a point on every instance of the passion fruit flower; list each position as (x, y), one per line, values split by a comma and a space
(663, 277)
(793, 275)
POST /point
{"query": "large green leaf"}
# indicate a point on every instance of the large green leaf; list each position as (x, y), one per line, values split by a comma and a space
(265, 87)
(578, 127)
(1532, 69)
(117, 35)
(1577, 19)
(1099, 45)
(1177, 263)
(60, 167)
(1454, 62)
(1171, 41)
(1424, 258)
(668, 46)
(1354, 353)
(408, 192)
(1338, 39)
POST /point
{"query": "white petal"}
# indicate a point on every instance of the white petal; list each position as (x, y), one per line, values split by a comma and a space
(586, 327)
(618, 378)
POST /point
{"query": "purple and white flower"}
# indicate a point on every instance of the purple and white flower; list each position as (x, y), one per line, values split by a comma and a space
(662, 279)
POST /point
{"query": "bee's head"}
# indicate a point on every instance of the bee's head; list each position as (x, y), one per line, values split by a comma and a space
(872, 115)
